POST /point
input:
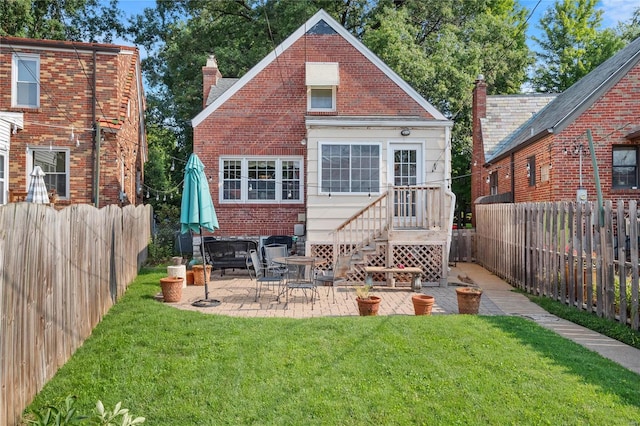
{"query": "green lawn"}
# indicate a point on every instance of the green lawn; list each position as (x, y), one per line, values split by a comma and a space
(186, 368)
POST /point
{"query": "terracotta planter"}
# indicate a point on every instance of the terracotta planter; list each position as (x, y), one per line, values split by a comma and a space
(198, 276)
(171, 289)
(422, 304)
(468, 300)
(368, 307)
(189, 277)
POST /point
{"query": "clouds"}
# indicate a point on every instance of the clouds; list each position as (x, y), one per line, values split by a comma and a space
(617, 11)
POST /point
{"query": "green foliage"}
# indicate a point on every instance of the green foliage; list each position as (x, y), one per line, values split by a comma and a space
(589, 320)
(66, 413)
(571, 45)
(79, 20)
(167, 224)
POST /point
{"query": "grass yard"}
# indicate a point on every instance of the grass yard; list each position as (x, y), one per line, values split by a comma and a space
(178, 367)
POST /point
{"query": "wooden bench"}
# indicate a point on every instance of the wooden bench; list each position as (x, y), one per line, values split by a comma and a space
(416, 274)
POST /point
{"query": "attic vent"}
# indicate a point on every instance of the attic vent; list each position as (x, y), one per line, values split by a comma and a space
(322, 74)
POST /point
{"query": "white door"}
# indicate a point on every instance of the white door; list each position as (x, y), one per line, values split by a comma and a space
(406, 161)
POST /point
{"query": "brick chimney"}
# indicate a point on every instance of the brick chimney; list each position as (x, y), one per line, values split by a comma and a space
(210, 77)
(479, 110)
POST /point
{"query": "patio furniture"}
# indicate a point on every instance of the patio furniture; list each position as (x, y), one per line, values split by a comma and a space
(304, 276)
(261, 277)
(337, 275)
(227, 254)
(416, 274)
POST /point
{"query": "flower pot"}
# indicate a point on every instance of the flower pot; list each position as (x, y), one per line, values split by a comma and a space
(422, 304)
(171, 289)
(369, 306)
(190, 278)
(198, 275)
(468, 300)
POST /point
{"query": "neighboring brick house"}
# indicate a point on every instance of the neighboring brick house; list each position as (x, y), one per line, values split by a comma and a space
(314, 134)
(77, 110)
(546, 156)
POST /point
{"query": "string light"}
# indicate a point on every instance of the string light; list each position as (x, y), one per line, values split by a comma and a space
(147, 193)
(173, 165)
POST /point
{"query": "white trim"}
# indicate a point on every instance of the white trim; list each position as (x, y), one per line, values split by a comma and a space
(376, 122)
(321, 15)
(24, 57)
(350, 143)
(244, 179)
(333, 98)
(67, 165)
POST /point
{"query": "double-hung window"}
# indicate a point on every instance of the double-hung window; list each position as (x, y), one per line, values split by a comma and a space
(625, 167)
(55, 165)
(261, 179)
(350, 168)
(25, 81)
(3, 176)
(493, 183)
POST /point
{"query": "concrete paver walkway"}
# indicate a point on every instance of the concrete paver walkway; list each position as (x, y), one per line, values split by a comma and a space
(236, 291)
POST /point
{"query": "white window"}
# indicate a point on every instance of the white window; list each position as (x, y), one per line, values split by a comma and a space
(26, 81)
(55, 165)
(321, 99)
(261, 179)
(3, 177)
(350, 168)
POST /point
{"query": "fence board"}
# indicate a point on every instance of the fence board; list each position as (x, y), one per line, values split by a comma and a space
(558, 250)
(60, 272)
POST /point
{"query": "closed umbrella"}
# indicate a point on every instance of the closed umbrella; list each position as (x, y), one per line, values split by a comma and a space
(197, 212)
(37, 188)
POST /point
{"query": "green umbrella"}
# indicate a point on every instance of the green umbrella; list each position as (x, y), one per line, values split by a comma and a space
(197, 212)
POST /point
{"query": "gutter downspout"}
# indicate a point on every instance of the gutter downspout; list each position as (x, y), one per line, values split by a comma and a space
(447, 191)
(96, 138)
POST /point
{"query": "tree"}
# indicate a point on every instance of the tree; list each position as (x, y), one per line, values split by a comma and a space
(571, 44)
(78, 20)
(441, 47)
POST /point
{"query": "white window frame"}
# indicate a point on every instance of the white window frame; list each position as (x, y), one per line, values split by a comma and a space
(244, 180)
(66, 151)
(14, 79)
(369, 191)
(4, 177)
(310, 90)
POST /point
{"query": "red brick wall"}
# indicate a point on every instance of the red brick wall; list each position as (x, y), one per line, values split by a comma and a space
(267, 117)
(610, 118)
(66, 77)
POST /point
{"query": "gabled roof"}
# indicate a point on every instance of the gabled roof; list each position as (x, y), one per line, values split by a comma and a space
(320, 17)
(505, 113)
(570, 104)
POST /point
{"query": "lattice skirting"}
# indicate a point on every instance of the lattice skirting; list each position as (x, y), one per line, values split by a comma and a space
(428, 257)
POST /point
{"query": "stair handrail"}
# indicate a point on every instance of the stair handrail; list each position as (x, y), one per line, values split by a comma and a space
(350, 238)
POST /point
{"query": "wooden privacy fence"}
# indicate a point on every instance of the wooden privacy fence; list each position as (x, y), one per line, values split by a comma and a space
(60, 272)
(571, 252)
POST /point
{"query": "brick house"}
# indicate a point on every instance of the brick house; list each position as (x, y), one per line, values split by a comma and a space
(77, 111)
(323, 139)
(545, 156)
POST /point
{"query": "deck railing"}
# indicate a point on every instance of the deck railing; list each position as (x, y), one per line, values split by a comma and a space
(400, 208)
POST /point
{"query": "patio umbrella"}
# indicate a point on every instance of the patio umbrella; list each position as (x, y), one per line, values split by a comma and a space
(197, 213)
(37, 188)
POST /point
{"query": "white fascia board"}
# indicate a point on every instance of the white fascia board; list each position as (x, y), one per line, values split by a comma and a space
(382, 122)
(324, 16)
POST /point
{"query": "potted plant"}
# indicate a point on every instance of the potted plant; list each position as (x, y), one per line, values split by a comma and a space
(468, 299)
(368, 304)
(422, 304)
(171, 289)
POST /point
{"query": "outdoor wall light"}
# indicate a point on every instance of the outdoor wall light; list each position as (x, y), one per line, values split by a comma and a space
(405, 132)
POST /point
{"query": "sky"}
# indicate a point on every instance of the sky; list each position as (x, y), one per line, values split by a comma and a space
(615, 11)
